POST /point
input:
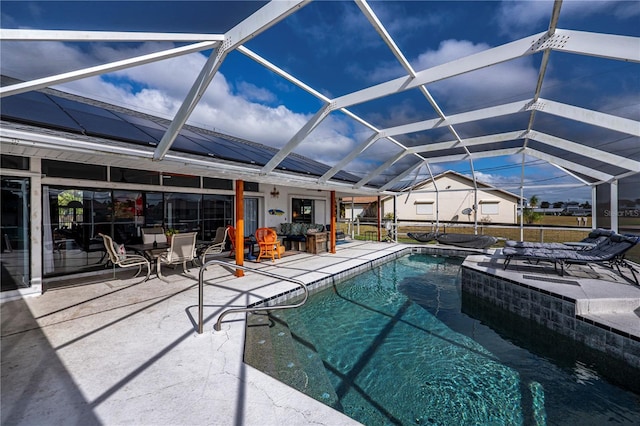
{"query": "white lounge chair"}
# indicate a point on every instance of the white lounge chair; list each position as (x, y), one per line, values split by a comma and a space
(125, 260)
(151, 235)
(181, 251)
(217, 246)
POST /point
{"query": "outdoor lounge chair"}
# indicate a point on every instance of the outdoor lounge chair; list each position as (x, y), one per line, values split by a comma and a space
(595, 237)
(217, 246)
(125, 260)
(181, 251)
(459, 240)
(610, 254)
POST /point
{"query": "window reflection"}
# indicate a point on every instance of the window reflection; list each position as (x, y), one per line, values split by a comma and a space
(14, 243)
(128, 215)
(301, 210)
(74, 216)
(154, 212)
(183, 211)
(72, 221)
(217, 212)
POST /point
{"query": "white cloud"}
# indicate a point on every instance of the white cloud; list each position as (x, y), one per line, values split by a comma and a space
(25, 60)
(622, 9)
(501, 82)
(448, 50)
(523, 17)
(252, 92)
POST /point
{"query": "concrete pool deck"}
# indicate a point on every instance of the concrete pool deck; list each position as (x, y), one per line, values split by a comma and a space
(125, 352)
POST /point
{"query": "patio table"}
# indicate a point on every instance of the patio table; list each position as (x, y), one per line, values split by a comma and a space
(151, 251)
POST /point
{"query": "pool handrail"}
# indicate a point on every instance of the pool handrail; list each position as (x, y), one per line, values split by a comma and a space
(218, 325)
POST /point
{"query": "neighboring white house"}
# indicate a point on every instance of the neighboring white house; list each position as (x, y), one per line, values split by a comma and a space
(355, 207)
(454, 201)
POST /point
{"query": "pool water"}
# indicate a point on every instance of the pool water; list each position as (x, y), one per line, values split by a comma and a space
(401, 344)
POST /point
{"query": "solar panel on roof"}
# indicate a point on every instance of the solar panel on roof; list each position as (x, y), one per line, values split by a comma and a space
(261, 154)
(37, 108)
(206, 145)
(251, 154)
(153, 129)
(101, 122)
(219, 148)
(145, 124)
(65, 114)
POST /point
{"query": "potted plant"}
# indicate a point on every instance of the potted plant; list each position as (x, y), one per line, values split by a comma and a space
(170, 233)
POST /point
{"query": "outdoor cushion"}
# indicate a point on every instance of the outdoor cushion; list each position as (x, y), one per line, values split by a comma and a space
(595, 237)
(285, 228)
(120, 250)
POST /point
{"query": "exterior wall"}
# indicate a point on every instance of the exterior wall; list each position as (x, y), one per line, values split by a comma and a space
(283, 203)
(356, 211)
(555, 312)
(266, 203)
(456, 194)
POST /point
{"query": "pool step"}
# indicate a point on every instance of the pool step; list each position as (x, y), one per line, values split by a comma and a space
(257, 343)
(270, 347)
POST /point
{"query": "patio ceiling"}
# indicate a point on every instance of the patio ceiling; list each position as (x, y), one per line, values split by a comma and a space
(594, 146)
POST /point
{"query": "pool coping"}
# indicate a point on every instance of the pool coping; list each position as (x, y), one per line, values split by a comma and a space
(322, 283)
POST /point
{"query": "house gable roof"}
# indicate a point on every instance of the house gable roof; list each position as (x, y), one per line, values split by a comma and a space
(460, 176)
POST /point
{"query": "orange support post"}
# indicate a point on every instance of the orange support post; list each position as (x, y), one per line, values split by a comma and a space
(239, 243)
(333, 222)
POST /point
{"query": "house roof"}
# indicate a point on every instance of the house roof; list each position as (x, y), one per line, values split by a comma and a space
(480, 185)
(593, 139)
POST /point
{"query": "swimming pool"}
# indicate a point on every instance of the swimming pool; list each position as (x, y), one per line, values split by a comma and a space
(401, 344)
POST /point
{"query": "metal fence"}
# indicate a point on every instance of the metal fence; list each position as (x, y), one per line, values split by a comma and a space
(368, 230)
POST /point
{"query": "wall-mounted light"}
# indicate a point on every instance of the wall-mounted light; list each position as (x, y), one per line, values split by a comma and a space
(274, 192)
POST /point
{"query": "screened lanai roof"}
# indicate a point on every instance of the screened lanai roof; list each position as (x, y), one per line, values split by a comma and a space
(385, 94)
(58, 112)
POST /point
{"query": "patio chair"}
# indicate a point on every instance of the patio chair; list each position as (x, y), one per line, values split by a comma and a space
(120, 258)
(610, 254)
(595, 237)
(231, 232)
(181, 251)
(217, 245)
(151, 235)
(269, 244)
(249, 243)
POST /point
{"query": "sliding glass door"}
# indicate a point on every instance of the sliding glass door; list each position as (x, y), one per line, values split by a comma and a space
(14, 222)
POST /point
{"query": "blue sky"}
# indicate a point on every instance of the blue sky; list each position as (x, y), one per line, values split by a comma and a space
(330, 46)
